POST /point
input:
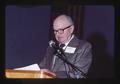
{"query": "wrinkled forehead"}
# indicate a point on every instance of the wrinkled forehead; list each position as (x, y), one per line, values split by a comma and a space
(61, 22)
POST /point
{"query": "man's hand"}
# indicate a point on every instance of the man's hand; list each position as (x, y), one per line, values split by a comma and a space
(46, 70)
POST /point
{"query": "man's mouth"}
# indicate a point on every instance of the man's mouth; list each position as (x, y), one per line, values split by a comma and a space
(59, 38)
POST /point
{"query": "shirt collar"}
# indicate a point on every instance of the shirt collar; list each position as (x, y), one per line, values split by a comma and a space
(68, 42)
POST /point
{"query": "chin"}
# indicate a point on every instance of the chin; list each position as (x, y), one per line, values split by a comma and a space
(61, 42)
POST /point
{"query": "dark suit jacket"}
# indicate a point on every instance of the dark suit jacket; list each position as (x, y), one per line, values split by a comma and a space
(81, 58)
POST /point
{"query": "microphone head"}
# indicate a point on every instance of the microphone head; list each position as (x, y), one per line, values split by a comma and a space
(51, 43)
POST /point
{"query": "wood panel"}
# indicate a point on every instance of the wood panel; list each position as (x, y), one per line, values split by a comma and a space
(9, 73)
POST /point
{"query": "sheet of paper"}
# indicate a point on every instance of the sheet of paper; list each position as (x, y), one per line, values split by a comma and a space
(34, 67)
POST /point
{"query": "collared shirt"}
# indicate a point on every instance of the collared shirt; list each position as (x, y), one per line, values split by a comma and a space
(68, 42)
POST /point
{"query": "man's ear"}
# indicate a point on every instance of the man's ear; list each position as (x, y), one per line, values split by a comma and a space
(72, 29)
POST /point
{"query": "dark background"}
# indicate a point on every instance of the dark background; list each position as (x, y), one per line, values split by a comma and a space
(28, 32)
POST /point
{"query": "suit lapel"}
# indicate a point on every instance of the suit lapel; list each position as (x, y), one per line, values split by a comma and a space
(74, 43)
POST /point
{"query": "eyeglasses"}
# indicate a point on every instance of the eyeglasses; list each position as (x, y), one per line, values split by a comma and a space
(61, 31)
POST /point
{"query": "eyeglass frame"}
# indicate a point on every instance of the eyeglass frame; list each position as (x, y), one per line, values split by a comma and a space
(57, 31)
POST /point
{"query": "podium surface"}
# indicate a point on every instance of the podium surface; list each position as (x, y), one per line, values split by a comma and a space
(10, 73)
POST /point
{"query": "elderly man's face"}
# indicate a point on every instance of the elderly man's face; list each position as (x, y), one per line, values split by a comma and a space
(62, 30)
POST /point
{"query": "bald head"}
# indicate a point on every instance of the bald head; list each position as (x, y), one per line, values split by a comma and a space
(62, 21)
(63, 28)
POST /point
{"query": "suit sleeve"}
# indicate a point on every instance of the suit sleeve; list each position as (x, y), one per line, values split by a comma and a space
(82, 60)
(45, 63)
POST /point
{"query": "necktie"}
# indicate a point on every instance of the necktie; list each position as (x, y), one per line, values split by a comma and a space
(62, 45)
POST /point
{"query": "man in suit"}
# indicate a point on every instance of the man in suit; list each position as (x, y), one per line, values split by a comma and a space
(77, 52)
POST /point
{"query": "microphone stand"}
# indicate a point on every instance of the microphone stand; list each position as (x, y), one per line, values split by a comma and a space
(61, 55)
(59, 51)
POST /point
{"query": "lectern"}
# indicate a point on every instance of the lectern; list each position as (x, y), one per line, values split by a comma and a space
(10, 73)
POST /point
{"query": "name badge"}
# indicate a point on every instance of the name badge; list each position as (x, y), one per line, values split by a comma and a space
(70, 49)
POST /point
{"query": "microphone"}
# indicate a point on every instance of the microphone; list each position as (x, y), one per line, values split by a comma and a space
(52, 44)
(56, 47)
